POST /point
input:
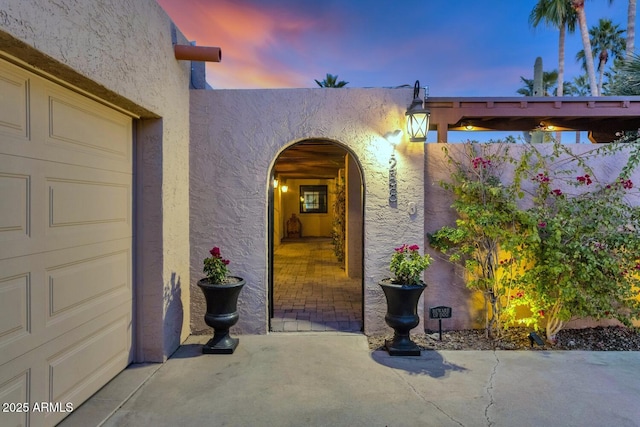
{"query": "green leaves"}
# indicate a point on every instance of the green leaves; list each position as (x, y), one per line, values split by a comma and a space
(571, 253)
(407, 264)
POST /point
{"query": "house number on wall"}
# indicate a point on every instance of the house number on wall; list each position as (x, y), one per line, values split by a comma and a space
(393, 185)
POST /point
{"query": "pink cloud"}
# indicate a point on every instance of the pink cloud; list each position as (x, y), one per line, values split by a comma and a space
(247, 35)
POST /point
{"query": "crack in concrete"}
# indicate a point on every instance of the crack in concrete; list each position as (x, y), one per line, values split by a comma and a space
(489, 390)
(424, 399)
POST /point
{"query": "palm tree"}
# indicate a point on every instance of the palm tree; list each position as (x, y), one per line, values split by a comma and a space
(549, 80)
(331, 81)
(631, 28)
(578, 5)
(558, 14)
(607, 41)
(626, 78)
(578, 87)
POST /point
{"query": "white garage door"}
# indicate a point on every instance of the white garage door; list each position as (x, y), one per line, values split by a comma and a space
(65, 247)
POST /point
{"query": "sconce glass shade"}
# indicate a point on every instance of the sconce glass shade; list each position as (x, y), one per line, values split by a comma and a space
(417, 117)
(284, 188)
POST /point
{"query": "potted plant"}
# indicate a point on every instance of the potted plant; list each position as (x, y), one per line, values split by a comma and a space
(221, 294)
(402, 293)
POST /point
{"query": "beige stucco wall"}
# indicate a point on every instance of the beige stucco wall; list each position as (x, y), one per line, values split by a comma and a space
(236, 135)
(122, 51)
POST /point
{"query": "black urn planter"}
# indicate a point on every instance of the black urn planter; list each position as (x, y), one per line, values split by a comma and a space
(402, 316)
(222, 313)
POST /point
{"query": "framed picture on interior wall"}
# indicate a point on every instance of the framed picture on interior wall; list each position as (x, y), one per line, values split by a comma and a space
(313, 199)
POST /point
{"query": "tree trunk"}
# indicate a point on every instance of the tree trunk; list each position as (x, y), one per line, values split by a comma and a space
(631, 28)
(578, 5)
(601, 75)
(561, 43)
(560, 91)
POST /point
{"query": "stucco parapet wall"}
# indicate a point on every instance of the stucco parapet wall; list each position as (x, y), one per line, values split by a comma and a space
(236, 136)
(118, 51)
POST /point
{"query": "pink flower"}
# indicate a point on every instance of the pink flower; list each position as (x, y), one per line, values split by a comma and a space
(542, 224)
(401, 248)
(414, 247)
(225, 261)
(557, 192)
(215, 252)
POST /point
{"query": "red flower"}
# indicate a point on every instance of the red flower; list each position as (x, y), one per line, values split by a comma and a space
(627, 185)
(586, 179)
(541, 178)
(215, 252)
(541, 313)
(479, 161)
(542, 224)
(414, 247)
(225, 261)
(401, 248)
(557, 192)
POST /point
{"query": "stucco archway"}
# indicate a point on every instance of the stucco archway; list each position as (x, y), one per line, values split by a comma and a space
(316, 210)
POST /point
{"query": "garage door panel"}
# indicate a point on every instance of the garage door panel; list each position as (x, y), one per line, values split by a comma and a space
(59, 371)
(22, 204)
(23, 303)
(59, 206)
(39, 120)
(78, 124)
(15, 196)
(86, 203)
(51, 293)
(15, 307)
(16, 390)
(87, 284)
(14, 103)
(71, 368)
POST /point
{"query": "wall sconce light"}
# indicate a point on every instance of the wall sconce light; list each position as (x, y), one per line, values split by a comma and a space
(284, 187)
(418, 116)
(467, 126)
(275, 182)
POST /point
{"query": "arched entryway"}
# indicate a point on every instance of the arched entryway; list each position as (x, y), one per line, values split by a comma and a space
(316, 210)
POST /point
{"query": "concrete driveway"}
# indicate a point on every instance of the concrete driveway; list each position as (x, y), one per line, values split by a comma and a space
(333, 379)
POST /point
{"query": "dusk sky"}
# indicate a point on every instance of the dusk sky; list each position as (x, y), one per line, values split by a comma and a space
(457, 48)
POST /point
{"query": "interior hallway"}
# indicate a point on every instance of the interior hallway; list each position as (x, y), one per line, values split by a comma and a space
(311, 290)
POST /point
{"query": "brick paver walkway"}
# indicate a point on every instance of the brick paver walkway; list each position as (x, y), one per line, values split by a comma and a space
(311, 292)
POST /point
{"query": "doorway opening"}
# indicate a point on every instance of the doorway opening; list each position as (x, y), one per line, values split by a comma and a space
(316, 209)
